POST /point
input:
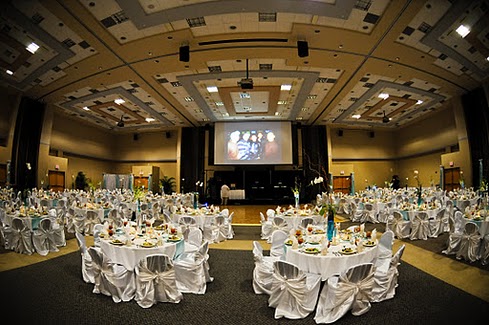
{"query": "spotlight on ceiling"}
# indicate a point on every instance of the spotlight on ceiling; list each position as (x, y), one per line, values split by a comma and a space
(121, 123)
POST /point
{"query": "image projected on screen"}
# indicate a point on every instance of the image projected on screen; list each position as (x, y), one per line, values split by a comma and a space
(254, 143)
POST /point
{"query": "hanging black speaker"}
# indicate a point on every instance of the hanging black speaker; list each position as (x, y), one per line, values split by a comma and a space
(302, 49)
(184, 53)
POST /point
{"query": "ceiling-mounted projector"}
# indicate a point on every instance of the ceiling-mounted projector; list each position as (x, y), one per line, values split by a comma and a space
(121, 123)
(246, 83)
(385, 119)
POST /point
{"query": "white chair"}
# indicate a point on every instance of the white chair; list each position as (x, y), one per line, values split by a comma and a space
(369, 213)
(97, 230)
(293, 293)
(44, 238)
(306, 222)
(266, 227)
(342, 206)
(91, 220)
(386, 281)
(277, 249)
(384, 254)
(485, 250)
(192, 271)
(349, 290)
(420, 226)
(439, 224)
(263, 270)
(355, 213)
(455, 234)
(88, 274)
(470, 243)
(18, 237)
(156, 281)
(111, 279)
(398, 225)
(279, 223)
(229, 225)
(270, 214)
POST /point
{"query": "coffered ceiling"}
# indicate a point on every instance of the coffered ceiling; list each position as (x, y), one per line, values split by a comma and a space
(181, 63)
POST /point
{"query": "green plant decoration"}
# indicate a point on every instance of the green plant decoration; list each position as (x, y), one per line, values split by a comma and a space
(168, 184)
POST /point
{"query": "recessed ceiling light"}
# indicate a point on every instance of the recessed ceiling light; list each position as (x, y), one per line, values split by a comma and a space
(225, 114)
(189, 99)
(33, 47)
(463, 30)
(9, 72)
(219, 104)
(277, 113)
(119, 101)
(247, 108)
(286, 87)
(86, 108)
(419, 102)
(487, 58)
(244, 95)
(383, 95)
(212, 89)
(150, 119)
(282, 102)
(357, 116)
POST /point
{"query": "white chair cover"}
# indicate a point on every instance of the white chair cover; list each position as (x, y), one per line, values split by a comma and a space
(111, 279)
(191, 269)
(266, 227)
(195, 237)
(70, 220)
(229, 224)
(386, 281)
(439, 224)
(384, 254)
(470, 243)
(294, 293)
(279, 223)
(398, 225)
(485, 250)
(350, 290)
(369, 213)
(155, 281)
(306, 222)
(356, 214)
(277, 249)
(420, 226)
(270, 213)
(18, 237)
(263, 270)
(97, 230)
(88, 272)
(91, 220)
(455, 235)
(44, 238)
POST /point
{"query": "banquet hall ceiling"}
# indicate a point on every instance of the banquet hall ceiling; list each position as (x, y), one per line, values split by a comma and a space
(317, 62)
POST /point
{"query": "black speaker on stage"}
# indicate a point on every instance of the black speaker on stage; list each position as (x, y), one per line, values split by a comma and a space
(372, 134)
(168, 134)
(135, 136)
(340, 133)
(302, 49)
(184, 54)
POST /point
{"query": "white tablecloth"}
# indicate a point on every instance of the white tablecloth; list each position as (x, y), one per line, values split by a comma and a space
(237, 194)
(327, 265)
(129, 256)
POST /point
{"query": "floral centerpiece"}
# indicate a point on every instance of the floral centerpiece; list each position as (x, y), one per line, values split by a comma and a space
(296, 191)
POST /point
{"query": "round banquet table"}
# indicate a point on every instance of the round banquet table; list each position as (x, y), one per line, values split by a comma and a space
(129, 256)
(332, 263)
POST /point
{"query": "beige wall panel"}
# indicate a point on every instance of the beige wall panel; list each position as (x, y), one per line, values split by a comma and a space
(93, 169)
(369, 173)
(148, 147)
(357, 144)
(81, 139)
(436, 132)
(428, 167)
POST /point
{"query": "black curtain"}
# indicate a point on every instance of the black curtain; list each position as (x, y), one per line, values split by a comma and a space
(25, 149)
(314, 158)
(476, 113)
(192, 159)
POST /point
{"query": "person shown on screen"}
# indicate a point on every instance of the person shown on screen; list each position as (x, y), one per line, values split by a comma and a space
(261, 142)
(244, 146)
(254, 147)
(233, 145)
(271, 147)
(224, 194)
